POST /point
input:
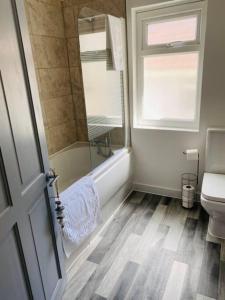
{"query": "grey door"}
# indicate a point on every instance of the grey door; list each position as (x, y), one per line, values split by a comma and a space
(30, 243)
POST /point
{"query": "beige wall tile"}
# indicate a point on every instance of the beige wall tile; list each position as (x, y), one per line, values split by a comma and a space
(86, 4)
(117, 136)
(76, 16)
(61, 136)
(54, 82)
(80, 113)
(101, 6)
(115, 7)
(52, 2)
(81, 117)
(76, 79)
(49, 52)
(96, 6)
(75, 2)
(46, 19)
(82, 131)
(30, 1)
(69, 22)
(73, 52)
(59, 110)
(67, 3)
(79, 103)
(121, 5)
(108, 7)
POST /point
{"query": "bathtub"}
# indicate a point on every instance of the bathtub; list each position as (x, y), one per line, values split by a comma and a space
(71, 164)
(74, 162)
(113, 178)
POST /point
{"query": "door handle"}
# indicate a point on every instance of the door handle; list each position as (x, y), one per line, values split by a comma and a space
(52, 178)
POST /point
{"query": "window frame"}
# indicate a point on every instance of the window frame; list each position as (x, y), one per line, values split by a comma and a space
(142, 49)
(166, 14)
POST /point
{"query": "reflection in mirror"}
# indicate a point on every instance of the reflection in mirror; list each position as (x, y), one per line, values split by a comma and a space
(101, 53)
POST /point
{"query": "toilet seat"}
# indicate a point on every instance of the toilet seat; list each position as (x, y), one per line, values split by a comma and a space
(213, 187)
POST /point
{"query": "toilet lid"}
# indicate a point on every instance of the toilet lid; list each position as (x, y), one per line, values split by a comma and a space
(213, 187)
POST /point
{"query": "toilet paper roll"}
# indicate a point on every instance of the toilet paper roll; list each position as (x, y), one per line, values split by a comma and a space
(192, 154)
(188, 204)
(188, 195)
(188, 190)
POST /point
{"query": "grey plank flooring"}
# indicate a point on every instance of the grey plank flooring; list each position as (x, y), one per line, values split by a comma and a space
(152, 276)
(209, 277)
(222, 281)
(123, 284)
(153, 249)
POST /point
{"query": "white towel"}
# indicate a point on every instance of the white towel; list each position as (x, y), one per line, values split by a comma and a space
(82, 213)
(115, 43)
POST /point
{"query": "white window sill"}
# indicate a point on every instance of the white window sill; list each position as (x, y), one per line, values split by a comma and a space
(165, 128)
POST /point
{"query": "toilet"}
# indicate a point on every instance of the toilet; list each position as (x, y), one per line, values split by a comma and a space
(213, 186)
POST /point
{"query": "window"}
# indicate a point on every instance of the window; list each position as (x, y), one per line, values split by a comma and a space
(169, 59)
(172, 29)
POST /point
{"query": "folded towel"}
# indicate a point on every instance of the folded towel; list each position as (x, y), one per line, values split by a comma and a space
(82, 213)
(115, 43)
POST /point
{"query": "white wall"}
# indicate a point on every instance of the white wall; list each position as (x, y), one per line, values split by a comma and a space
(158, 154)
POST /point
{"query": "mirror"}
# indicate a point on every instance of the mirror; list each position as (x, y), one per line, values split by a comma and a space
(103, 87)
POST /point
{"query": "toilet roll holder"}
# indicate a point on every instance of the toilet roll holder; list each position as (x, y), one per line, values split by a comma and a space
(198, 162)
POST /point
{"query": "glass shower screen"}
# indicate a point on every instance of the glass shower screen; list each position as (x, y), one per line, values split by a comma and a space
(103, 89)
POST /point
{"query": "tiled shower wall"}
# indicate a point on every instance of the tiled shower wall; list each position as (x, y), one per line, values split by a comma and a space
(54, 38)
(46, 25)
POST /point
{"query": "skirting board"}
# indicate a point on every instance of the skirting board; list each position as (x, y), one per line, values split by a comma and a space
(145, 188)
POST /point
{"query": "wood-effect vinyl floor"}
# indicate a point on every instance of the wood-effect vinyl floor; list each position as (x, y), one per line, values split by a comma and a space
(152, 249)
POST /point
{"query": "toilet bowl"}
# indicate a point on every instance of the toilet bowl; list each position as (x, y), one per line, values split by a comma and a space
(213, 201)
(213, 186)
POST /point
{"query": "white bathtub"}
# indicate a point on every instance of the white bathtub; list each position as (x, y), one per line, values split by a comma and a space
(113, 178)
(74, 162)
(113, 174)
